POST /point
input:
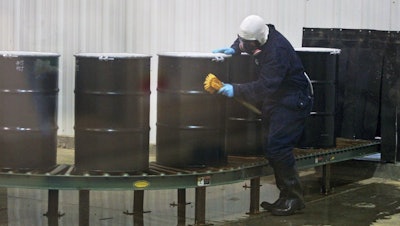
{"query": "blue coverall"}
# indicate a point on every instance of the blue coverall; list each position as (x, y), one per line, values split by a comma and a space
(285, 93)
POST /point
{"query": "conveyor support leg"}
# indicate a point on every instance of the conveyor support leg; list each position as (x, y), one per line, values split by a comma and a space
(52, 203)
(84, 200)
(138, 207)
(52, 208)
(326, 179)
(254, 196)
(138, 201)
(200, 206)
(3, 205)
(181, 206)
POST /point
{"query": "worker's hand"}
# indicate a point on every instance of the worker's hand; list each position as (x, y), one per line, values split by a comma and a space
(228, 51)
(226, 90)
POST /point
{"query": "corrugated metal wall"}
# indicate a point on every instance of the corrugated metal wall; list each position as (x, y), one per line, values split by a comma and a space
(68, 27)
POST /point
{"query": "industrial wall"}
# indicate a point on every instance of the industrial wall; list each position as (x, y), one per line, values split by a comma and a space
(68, 27)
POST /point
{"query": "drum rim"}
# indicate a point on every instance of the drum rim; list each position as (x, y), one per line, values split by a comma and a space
(27, 54)
(318, 49)
(194, 54)
(111, 55)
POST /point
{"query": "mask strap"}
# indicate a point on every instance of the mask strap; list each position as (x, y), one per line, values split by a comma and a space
(256, 52)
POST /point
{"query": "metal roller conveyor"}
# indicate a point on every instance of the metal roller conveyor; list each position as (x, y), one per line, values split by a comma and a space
(237, 169)
(66, 177)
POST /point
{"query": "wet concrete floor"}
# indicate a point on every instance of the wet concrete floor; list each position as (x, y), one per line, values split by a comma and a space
(359, 197)
(369, 202)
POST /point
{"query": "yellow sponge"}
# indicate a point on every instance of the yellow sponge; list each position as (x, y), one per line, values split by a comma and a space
(212, 83)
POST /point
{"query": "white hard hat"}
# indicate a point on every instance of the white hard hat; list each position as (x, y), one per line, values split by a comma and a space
(253, 27)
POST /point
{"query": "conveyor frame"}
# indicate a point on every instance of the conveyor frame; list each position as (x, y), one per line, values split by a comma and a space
(64, 177)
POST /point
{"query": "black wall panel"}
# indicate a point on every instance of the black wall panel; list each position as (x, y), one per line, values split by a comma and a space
(390, 103)
(368, 83)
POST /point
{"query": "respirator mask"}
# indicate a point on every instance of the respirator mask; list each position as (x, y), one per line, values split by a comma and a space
(250, 47)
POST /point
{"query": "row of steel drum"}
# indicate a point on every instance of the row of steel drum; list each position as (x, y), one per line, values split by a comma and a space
(112, 107)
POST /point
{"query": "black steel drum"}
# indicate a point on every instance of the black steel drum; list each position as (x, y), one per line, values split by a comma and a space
(112, 104)
(321, 65)
(28, 116)
(243, 127)
(190, 121)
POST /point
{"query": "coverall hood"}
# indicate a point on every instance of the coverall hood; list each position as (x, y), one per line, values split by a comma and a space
(254, 28)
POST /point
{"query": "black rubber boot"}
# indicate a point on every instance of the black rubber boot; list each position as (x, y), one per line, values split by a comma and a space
(282, 192)
(269, 206)
(293, 200)
(288, 207)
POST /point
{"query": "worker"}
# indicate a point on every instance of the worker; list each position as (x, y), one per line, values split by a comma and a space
(285, 92)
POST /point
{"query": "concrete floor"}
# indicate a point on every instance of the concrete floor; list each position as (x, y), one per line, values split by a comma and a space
(364, 193)
(373, 201)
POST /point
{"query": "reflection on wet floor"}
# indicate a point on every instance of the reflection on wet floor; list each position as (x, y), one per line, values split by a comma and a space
(373, 201)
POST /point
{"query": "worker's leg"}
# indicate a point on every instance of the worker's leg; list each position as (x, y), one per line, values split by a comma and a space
(285, 127)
